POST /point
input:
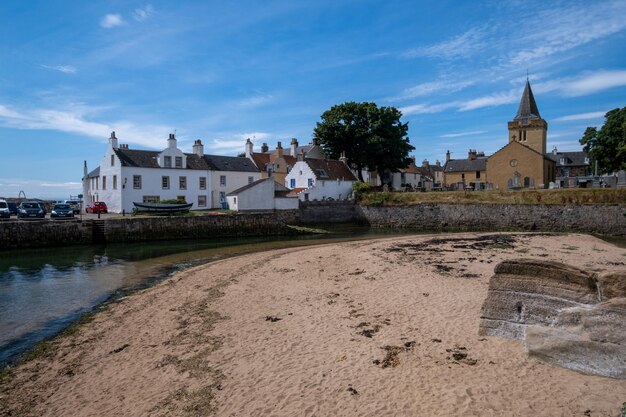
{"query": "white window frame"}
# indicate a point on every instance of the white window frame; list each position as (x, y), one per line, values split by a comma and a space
(165, 182)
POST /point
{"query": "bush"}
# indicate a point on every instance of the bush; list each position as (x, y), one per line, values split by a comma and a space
(361, 187)
(172, 201)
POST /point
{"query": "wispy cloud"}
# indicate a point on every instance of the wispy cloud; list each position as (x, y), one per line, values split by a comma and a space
(76, 119)
(255, 101)
(67, 69)
(426, 108)
(581, 116)
(143, 13)
(38, 188)
(460, 46)
(111, 21)
(458, 135)
(428, 88)
(491, 100)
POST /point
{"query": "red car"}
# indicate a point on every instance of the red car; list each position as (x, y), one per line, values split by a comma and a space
(97, 207)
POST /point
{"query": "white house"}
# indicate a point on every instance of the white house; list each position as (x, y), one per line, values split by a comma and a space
(126, 175)
(264, 194)
(320, 179)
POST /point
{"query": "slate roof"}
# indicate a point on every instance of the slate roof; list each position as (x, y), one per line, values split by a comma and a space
(334, 170)
(248, 186)
(94, 173)
(148, 159)
(571, 158)
(229, 163)
(279, 189)
(463, 165)
(527, 106)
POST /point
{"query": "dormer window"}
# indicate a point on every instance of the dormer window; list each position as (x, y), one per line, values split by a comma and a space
(167, 161)
(321, 173)
(562, 161)
(179, 161)
(587, 160)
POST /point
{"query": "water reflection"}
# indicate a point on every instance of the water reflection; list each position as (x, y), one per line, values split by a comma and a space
(42, 291)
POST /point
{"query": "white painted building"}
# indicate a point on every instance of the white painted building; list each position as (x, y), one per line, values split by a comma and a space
(320, 179)
(264, 194)
(129, 175)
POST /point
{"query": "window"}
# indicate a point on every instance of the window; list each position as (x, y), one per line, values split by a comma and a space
(250, 180)
(235, 200)
(203, 183)
(97, 183)
(112, 160)
(462, 176)
(310, 182)
(104, 182)
(222, 197)
(306, 197)
(182, 183)
(167, 161)
(321, 173)
(151, 199)
(165, 183)
(179, 161)
(137, 182)
(115, 182)
(292, 183)
(181, 198)
(586, 160)
(477, 174)
(562, 161)
(223, 180)
(201, 201)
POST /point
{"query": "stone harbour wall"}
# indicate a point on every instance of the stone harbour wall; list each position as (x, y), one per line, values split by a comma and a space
(317, 212)
(135, 229)
(30, 234)
(600, 219)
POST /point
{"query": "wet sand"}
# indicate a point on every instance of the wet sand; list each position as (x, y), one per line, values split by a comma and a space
(384, 327)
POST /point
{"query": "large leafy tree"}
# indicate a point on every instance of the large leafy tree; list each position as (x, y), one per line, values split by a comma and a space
(608, 145)
(370, 136)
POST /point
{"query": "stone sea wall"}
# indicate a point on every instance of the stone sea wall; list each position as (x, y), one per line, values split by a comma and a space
(601, 219)
(30, 234)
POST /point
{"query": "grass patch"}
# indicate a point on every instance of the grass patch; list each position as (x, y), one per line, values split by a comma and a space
(522, 250)
(502, 246)
(561, 196)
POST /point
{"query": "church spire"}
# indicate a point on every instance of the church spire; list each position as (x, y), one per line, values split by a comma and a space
(527, 106)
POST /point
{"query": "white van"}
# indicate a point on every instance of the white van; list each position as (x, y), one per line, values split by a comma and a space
(75, 205)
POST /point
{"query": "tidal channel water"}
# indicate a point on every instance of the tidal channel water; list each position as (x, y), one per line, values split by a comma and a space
(43, 291)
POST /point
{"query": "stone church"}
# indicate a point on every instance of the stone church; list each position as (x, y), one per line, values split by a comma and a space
(522, 163)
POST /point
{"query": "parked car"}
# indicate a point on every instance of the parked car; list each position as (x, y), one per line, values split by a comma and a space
(76, 204)
(4, 210)
(30, 210)
(13, 209)
(62, 211)
(96, 207)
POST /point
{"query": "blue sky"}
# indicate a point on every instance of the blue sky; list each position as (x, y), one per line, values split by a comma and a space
(72, 71)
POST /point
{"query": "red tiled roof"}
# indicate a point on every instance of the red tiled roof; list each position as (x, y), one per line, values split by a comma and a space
(334, 170)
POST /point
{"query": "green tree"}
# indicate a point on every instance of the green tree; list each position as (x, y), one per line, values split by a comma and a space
(608, 145)
(370, 136)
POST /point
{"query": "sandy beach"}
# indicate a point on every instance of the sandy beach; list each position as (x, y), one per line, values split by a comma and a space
(364, 328)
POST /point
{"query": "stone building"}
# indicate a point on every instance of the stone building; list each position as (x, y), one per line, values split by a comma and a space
(521, 163)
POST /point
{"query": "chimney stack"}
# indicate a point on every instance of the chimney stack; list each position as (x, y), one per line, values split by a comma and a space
(300, 156)
(264, 148)
(471, 154)
(425, 163)
(279, 150)
(198, 148)
(171, 141)
(343, 158)
(113, 140)
(294, 147)
(437, 163)
(447, 155)
(249, 148)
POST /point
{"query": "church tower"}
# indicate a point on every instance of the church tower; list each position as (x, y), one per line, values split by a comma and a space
(528, 128)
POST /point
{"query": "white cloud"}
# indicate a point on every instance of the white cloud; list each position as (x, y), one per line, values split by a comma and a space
(255, 101)
(491, 100)
(581, 116)
(429, 88)
(75, 119)
(111, 20)
(234, 143)
(67, 69)
(426, 108)
(461, 46)
(457, 135)
(594, 82)
(143, 13)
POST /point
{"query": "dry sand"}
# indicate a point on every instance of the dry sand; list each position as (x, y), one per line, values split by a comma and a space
(369, 328)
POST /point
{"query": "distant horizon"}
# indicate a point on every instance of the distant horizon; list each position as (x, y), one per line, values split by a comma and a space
(224, 72)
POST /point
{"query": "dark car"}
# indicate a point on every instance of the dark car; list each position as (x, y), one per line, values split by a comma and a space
(96, 207)
(62, 211)
(31, 210)
(13, 209)
(76, 205)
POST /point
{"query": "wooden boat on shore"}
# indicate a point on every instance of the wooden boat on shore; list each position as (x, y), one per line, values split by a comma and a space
(162, 208)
